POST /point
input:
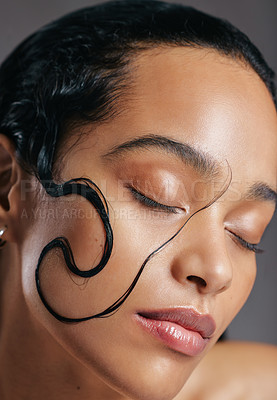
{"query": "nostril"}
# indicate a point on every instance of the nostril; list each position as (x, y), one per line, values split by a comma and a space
(196, 279)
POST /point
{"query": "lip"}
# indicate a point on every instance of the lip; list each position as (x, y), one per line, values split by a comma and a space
(181, 329)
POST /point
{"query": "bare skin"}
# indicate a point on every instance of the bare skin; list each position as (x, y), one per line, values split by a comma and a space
(193, 97)
(234, 371)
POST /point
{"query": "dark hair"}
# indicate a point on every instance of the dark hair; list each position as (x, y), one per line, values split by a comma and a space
(76, 70)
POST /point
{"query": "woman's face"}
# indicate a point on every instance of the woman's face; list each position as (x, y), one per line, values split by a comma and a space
(215, 125)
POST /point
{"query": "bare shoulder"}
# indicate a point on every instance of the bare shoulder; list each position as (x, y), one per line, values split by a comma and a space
(234, 371)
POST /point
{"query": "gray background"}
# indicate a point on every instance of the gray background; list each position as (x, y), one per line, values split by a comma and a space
(258, 19)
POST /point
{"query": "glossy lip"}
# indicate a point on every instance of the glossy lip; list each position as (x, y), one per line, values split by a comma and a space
(182, 329)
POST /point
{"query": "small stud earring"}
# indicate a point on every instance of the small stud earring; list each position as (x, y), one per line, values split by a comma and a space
(2, 231)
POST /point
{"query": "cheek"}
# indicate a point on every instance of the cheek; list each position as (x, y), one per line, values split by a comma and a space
(244, 274)
(244, 278)
(67, 293)
(136, 235)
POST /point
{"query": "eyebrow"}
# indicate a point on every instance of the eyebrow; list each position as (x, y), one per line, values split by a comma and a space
(200, 161)
(203, 163)
(261, 191)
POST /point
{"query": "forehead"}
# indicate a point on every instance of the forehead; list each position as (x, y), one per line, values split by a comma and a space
(202, 98)
(198, 97)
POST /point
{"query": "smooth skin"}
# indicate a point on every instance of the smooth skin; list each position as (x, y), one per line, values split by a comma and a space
(197, 97)
(234, 371)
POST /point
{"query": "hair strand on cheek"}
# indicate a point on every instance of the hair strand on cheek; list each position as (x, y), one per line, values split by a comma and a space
(91, 192)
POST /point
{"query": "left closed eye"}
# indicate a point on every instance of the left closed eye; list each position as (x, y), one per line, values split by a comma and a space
(246, 245)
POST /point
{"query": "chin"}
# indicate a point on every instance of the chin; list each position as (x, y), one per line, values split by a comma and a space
(158, 378)
(150, 386)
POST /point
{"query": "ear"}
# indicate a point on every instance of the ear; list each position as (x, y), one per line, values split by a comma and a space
(10, 175)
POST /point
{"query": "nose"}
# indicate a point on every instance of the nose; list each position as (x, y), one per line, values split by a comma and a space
(203, 260)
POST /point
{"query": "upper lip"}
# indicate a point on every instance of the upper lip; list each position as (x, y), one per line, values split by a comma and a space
(186, 317)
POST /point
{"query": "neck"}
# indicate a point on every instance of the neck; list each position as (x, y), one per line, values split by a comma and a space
(32, 364)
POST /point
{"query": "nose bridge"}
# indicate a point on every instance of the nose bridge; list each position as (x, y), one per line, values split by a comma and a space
(203, 259)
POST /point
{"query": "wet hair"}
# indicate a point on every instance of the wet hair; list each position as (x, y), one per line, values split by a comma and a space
(78, 69)
(74, 69)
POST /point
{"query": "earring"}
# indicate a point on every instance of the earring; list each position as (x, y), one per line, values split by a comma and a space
(2, 231)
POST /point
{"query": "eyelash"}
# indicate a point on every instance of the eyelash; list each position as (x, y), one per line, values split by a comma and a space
(150, 203)
(248, 246)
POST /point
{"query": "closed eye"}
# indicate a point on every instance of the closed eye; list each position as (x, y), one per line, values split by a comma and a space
(247, 245)
(150, 203)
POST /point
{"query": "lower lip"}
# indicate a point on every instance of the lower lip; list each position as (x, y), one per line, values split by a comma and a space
(174, 336)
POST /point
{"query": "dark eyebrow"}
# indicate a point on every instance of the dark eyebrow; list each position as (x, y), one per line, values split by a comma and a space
(202, 162)
(263, 192)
